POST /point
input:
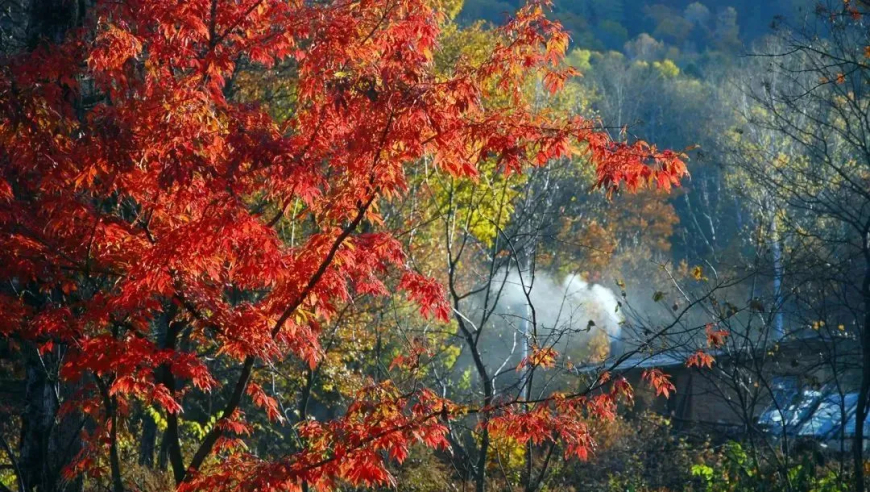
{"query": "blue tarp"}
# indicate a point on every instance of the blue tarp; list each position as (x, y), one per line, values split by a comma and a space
(825, 421)
(791, 409)
(810, 413)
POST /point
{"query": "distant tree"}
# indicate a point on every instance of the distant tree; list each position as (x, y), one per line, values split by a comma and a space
(644, 48)
(726, 33)
(697, 13)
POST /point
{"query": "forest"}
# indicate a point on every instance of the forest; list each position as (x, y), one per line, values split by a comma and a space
(434, 245)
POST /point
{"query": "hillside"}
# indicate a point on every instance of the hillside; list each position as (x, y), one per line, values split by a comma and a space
(685, 24)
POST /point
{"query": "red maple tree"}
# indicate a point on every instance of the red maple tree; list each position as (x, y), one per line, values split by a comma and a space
(132, 187)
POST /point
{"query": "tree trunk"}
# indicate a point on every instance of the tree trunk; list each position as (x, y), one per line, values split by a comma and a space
(148, 443)
(114, 457)
(480, 472)
(37, 429)
(172, 437)
(480, 475)
(488, 395)
(778, 328)
(51, 19)
(47, 445)
(864, 390)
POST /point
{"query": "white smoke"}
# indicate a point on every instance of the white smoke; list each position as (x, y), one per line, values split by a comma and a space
(566, 312)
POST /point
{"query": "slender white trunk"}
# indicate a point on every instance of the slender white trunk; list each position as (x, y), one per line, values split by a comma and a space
(778, 329)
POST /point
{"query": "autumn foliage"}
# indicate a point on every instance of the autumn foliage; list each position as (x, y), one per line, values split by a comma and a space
(133, 187)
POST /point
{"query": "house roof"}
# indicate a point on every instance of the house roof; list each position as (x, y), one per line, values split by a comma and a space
(677, 356)
(664, 359)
